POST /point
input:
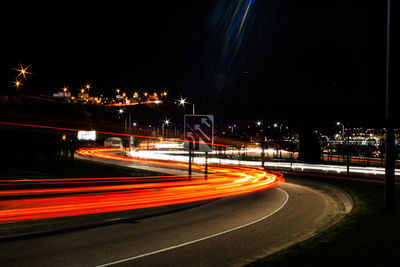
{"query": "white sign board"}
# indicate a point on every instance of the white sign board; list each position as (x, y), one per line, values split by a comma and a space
(87, 135)
(199, 133)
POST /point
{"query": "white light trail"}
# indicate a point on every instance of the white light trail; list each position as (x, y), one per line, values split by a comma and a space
(180, 156)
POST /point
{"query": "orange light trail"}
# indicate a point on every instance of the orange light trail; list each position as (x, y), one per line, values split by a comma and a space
(130, 192)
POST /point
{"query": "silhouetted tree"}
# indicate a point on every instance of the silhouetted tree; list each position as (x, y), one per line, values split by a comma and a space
(309, 146)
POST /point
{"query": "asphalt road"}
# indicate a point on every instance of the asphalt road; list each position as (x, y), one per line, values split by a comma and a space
(226, 232)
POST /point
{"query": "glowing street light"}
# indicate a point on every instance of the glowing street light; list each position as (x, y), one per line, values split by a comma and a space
(338, 124)
(17, 83)
(165, 122)
(22, 71)
(258, 123)
(183, 102)
(121, 111)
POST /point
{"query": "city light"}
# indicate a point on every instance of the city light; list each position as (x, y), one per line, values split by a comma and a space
(182, 102)
(17, 84)
(22, 71)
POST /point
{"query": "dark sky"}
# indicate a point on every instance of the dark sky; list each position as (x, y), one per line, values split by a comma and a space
(317, 57)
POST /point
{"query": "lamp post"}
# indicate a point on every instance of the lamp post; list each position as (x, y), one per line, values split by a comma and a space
(183, 102)
(338, 124)
(165, 122)
(390, 138)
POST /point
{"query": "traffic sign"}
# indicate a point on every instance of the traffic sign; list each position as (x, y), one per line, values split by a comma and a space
(199, 133)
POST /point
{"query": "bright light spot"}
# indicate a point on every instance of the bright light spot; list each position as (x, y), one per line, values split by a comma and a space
(87, 135)
(22, 71)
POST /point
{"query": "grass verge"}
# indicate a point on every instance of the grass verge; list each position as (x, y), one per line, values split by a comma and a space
(368, 236)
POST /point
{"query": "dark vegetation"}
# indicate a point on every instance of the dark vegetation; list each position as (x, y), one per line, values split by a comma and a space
(368, 236)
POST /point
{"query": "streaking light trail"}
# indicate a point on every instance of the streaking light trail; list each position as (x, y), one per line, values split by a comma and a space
(130, 192)
(230, 24)
(99, 132)
(178, 157)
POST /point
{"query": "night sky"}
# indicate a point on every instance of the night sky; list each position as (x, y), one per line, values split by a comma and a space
(272, 59)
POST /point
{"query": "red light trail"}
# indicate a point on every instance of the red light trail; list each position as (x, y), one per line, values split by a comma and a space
(129, 192)
(101, 132)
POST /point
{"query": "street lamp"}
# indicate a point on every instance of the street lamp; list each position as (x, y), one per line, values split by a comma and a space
(183, 102)
(258, 123)
(338, 124)
(17, 84)
(22, 71)
(165, 122)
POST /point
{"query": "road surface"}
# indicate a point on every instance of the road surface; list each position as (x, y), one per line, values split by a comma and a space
(229, 231)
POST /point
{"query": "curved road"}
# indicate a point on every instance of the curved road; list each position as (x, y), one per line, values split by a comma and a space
(224, 232)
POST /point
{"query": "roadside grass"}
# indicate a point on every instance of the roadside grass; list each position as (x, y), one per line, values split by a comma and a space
(368, 236)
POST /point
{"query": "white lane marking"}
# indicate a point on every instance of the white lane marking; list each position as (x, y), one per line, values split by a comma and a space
(200, 239)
